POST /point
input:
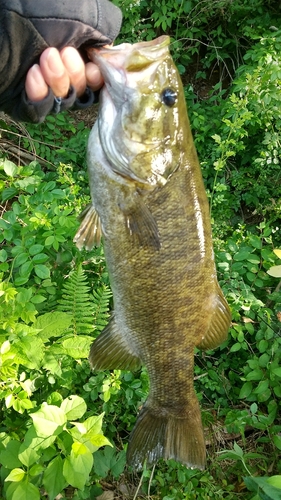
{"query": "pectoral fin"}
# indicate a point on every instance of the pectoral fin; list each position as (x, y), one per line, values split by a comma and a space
(141, 224)
(89, 232)
(110, 351)
(219, 326)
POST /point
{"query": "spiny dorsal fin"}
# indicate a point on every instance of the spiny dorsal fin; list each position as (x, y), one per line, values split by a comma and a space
(219, 326)
(89, 232)
(110, 351)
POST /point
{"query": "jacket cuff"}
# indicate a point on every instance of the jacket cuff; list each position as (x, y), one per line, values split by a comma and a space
(36, 111)
(87, 99)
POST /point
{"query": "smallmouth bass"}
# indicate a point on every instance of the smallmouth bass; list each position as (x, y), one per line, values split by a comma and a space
(150, 205)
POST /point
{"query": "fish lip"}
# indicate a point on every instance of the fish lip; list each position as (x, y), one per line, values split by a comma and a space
(148, 49)
(115, 61)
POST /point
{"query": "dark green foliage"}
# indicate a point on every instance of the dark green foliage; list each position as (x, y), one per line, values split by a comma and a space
(76, 301)
(54, 300)
(101, 298)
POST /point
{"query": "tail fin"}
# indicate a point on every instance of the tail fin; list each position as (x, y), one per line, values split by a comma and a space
(159, 434)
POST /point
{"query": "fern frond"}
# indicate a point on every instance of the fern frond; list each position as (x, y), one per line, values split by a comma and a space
(77, 301)
(101, 300)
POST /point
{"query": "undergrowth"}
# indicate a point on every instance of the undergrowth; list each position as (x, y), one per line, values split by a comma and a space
(54, 300)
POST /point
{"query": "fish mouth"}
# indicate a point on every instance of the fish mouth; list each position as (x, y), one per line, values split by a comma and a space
(131, 57)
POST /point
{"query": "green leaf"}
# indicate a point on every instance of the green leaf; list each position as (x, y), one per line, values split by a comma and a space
(48, 421)
(32, 445)
(38, 299)
(89, 437)
(108, 460)
(77, 466)
(9, 193)
(253, 408)
(263, 345)
(94, 423)
(236, 347)
(9, 456)
(42, 271)
(39, 258)
(3, 255)
(35, 249)
(118, 463)
(277, 391)
(275, 271)
(275, 480)
(251, 277)
(246, 390)
(242, 254)
(36, 470)
(261, 486)
(10, 168)
(26, 269)
(78, 347)
(277, 441)
(101, 464)
(5, 347)
(277, 252)
(16, 475)
(74, 407)
(52, 324)
(49, 240)
(256, 374)
(24, 491)
(255, 241)
(28, 456)
(238, 450)
(53, 479)
(277, 371)
(262, 387)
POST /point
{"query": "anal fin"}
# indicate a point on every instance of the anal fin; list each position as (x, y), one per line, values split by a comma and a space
(110, 351)
(217, 332)
(89, 232)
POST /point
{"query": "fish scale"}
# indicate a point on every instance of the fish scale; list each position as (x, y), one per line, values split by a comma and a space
(148, 194)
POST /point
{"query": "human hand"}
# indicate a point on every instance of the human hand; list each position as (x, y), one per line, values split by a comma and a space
(59, 70)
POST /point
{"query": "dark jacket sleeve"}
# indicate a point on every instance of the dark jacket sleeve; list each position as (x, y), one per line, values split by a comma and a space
(28, 27)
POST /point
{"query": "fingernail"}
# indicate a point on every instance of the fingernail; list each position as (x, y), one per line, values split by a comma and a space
(55, 63)
(35, 86)
(72, 60)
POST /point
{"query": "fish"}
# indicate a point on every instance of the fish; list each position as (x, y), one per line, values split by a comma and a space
(150, 207)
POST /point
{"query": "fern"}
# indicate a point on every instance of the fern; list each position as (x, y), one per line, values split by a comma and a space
(101, 300)
(89, 311)
(77, 301)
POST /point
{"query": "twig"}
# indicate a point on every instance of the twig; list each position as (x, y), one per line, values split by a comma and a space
(150, 480)
(138, 488)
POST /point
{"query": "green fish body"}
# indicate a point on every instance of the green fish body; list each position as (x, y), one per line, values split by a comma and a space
(150, 205)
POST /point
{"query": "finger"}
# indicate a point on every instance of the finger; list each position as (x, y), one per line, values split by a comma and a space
(75, 68)
(35, 85)
(54, 72)
(93, 76)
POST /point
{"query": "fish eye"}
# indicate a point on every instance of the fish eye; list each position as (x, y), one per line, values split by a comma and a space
(169, 97)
